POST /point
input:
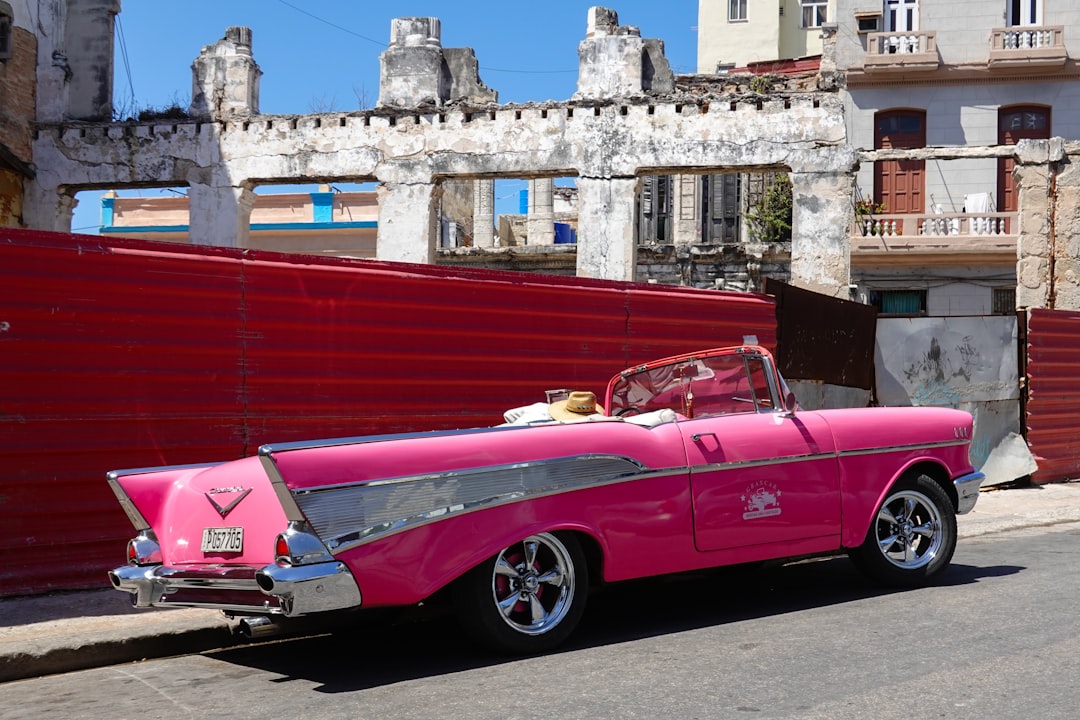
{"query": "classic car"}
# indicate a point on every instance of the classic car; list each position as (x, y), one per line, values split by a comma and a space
(697, 461)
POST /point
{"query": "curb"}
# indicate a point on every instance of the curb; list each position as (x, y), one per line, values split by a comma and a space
(25, 664)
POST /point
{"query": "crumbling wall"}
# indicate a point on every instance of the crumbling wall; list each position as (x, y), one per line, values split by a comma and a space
(225, 77)
(88, 56)
(1048, 188)
(415, 69)
(17, 98)
(436, 122)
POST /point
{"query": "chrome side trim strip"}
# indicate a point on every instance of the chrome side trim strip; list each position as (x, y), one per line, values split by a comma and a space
(715, 467)
(900, 448)
(281, 490)
(133, 515)
(113, 474)
(365, 439)
(347, 516)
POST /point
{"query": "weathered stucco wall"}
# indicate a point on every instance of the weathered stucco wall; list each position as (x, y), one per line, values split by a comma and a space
(1048, 181)
(438, 129)
(410, 151)
(436, 122)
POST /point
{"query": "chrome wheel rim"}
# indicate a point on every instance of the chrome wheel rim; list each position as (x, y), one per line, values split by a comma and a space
(533, 583)
(908, 530)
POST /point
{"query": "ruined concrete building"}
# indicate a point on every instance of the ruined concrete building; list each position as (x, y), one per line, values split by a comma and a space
(664, 170)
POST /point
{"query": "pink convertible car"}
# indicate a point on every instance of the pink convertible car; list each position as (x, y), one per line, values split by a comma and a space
(699, 461)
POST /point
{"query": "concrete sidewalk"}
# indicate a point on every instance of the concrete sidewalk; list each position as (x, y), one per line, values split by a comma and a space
(43, 635)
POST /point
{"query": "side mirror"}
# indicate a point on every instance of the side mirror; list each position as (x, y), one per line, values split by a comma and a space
(791, 403)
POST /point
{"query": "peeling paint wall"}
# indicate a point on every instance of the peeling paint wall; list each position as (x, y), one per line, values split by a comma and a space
(17, 97)
(11, 185)
(438, 128)
(438, 124)
(88, 44)
(410, 151)
(968, 363)
(1048, 182)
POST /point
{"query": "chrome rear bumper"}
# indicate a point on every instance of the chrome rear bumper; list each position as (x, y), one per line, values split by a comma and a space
(285, 590)
(967, 491)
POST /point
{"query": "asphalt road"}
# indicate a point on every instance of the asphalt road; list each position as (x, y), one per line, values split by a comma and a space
(996, 638)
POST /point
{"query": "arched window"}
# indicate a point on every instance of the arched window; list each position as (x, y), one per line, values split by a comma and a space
(1016, 123)
(899, 184)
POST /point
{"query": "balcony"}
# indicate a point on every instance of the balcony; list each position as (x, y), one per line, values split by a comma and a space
(1028, 46)
(901, 52)
(901, 236)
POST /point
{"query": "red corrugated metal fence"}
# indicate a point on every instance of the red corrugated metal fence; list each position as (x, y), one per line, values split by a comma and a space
(120, 353)
(1053, 376)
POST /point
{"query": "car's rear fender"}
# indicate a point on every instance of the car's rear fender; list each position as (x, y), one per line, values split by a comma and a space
(143, 493)
(461, 553)
(638, 527)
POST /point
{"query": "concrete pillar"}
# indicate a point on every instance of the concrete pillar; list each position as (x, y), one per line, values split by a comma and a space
(820, 245)
(408, 222)
(686, 209)
(1045, 249)
(53, 70)
(484, 213)
(609, 58)
(89, 42)
(219, 216)
(540, 228)
(411, 69)
(606, 247)
(47, 208)
(1033, 246)
(614, 61)
(225, 78)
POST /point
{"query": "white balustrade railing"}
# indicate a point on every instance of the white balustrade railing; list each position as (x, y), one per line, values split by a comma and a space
(938, 225)
(1028, 45)
(902, 43)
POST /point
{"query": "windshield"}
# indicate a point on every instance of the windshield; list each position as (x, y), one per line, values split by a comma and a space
(732, 382)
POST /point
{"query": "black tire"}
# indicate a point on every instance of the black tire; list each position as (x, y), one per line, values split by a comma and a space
(548, 576)
(911, 537)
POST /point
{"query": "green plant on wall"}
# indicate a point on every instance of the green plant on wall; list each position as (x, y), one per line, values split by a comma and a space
(770, 220)
(761, 84)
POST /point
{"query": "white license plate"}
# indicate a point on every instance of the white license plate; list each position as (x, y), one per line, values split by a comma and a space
(223, 539)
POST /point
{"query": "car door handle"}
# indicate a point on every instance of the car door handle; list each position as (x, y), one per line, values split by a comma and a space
(696, 437)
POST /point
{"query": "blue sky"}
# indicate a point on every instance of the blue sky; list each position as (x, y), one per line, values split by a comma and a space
(323, 55)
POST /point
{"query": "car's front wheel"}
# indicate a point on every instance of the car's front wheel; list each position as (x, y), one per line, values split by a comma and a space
(912, 536)
(528, 598)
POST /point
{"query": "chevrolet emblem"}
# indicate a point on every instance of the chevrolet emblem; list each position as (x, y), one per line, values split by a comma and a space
(224, 510)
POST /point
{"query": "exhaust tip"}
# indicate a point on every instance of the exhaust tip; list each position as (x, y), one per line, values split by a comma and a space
(265, 582)
(253, 628)
(114, 579)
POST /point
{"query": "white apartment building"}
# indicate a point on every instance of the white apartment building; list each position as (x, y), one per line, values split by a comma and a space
(952, 74)
(737, 33)
(930, 87)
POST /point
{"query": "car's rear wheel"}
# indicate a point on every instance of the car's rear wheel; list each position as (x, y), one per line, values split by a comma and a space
(912, 536)
(528, 598)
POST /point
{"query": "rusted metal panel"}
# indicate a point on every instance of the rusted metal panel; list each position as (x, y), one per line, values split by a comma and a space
(824, 338)
(122, 353)
(1053, 367)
